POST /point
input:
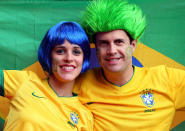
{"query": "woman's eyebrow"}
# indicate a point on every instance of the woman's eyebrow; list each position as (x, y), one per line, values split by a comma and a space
(76, 46)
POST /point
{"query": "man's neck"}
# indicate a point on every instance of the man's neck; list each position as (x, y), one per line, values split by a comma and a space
(119, 78)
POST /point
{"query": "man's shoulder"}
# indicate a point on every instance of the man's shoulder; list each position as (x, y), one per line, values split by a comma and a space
(92, 73)
(160, 70)
(153, 68)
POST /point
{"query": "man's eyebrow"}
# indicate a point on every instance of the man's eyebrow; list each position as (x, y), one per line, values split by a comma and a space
(102, 40)
(119, 39)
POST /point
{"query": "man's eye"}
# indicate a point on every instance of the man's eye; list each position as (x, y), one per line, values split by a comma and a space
(103, 43)
(60, 51)
(76, 52)
(119, 42)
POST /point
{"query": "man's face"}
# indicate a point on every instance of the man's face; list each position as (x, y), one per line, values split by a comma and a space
(114, 50)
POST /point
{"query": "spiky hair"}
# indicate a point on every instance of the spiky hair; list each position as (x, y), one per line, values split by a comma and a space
(108, 15)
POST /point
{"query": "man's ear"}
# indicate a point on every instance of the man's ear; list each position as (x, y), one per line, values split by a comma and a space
(133, 45)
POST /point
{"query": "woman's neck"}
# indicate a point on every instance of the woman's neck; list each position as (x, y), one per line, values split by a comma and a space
(61, 88)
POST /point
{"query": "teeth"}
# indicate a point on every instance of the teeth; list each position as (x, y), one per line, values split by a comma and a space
(68, 68)
(113, 59)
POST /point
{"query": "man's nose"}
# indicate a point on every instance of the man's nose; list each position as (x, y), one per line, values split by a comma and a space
(111, 49)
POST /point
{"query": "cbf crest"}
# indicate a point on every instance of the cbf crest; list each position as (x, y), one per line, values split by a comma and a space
(74, 117)
(147, 97)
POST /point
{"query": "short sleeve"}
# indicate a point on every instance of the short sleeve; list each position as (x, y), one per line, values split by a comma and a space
(177, 82)
(12, 81)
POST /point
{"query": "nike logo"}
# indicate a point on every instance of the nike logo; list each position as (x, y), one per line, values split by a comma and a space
(33, 94)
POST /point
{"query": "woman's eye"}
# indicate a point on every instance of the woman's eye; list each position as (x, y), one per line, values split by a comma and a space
(60, 51)
(77, 52)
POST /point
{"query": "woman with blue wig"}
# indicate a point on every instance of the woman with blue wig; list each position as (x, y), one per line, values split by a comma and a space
(49, 104)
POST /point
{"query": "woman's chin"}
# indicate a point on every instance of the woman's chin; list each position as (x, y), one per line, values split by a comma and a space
(67, 78)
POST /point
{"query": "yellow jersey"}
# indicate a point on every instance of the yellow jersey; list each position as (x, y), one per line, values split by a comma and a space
(34, 106)
(146, 103)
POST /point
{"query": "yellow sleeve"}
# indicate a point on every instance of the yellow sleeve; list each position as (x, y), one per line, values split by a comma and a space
(7, 78)
(177, 82)
(12, 81)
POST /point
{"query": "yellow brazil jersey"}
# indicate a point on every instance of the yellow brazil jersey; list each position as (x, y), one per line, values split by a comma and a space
(34, 106)
(146, 103)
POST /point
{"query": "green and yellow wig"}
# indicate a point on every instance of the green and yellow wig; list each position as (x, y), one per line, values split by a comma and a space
(108, 15)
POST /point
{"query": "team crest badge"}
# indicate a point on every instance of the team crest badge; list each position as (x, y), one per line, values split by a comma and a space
(74, 117)
(147, 97)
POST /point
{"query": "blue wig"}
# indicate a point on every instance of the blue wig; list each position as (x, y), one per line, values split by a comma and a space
(56, 35)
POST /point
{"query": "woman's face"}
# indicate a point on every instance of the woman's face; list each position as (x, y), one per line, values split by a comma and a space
(67, 61)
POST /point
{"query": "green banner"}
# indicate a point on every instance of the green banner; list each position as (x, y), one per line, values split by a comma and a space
(23, 25)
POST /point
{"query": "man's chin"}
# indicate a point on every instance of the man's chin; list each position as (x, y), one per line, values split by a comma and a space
(111, 69)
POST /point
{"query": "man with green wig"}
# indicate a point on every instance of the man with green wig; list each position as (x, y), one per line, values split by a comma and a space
(122, 96)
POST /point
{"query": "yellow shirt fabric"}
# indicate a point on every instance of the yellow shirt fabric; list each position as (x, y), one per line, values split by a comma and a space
(34, 106)
(146, 103)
